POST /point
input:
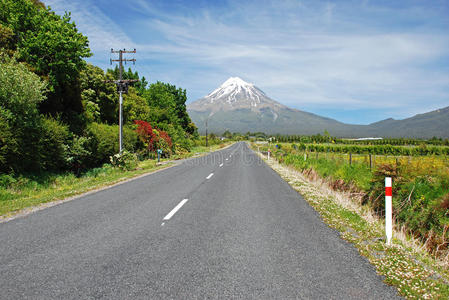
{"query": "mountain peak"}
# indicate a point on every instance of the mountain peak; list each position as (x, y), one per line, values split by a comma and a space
(235, 81)
(234, 94)
(231, 88)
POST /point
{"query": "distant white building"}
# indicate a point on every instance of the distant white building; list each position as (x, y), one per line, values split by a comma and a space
(366, 139)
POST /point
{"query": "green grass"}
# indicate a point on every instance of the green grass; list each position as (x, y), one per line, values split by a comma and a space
(32, 191)
(357, 174)
(29, 191)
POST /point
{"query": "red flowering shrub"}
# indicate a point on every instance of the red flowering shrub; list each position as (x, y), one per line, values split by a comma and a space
(144, 131)
(154, 138)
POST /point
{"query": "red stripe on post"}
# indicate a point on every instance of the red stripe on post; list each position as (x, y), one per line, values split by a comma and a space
(388, 191)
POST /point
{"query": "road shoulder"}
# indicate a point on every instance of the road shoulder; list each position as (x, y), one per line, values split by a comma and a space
(412, 273)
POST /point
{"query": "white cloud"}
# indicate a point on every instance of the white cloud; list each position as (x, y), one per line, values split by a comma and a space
(326, 67)
(102, 31)
(304, 54)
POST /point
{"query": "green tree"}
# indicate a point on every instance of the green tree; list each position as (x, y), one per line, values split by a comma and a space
(134, 107)
(53, 137)
(227, 134)
(141, 83)
(169, 105)
(162, 105)
(53, 48)
(103, 140)
(20, 93)
(180, 98)
(7, 39)
(99, 99)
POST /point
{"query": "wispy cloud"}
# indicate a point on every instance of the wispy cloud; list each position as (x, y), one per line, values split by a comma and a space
(306, 54)
(103, 32)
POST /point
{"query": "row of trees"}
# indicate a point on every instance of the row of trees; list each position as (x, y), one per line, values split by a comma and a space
(326, 138)
(421, 150)
(58, 113)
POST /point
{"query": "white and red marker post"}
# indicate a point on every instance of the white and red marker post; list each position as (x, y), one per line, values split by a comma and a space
(388, 210)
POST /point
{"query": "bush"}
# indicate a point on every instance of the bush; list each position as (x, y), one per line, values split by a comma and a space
(154, 139)
(161, 140)
(6, 180)
(8, 144)
(78, 154)
(125, 160)
(52, 148)
(104, 142)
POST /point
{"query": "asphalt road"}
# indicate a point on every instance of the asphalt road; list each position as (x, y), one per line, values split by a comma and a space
(182, 233)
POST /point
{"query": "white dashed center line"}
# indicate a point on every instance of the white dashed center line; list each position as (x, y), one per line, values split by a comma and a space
(210, 175)
(174, 210)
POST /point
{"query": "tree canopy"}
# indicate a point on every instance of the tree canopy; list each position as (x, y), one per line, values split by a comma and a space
(53, 48)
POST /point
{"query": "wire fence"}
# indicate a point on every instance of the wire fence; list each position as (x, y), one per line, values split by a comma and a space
(372, 160)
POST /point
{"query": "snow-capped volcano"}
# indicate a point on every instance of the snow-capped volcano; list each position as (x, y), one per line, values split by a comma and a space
(233, 94)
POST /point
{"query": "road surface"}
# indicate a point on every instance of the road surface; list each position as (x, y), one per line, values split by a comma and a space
(223, 226)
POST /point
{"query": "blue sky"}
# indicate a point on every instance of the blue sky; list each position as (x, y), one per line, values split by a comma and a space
(354, 61)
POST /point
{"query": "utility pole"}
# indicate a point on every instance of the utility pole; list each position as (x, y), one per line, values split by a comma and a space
(206, 132)
(122, 87)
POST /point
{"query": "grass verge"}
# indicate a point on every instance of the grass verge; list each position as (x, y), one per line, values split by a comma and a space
(403, 264)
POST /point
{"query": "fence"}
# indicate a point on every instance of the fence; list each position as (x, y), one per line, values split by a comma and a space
(371, 160)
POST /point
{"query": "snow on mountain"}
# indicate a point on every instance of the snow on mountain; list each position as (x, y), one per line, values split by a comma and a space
(232, 88)
(233, 94)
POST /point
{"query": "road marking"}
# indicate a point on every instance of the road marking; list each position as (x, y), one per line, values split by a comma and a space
(210, 175)
(174, 210)
(221, 165)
